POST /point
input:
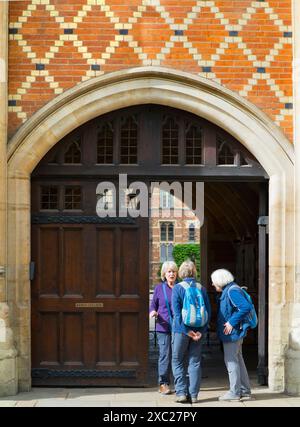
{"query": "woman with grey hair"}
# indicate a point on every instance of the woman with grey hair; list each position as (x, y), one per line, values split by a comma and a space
(232, 327)
(188, 333)
(161, 309)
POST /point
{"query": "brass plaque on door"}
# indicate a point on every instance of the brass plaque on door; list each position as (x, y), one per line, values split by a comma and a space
(89, 304)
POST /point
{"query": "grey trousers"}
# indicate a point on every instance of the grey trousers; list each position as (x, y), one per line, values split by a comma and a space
(237, 371)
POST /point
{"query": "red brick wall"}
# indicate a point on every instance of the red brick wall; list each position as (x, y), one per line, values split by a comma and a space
(244, 45)
(181, 236)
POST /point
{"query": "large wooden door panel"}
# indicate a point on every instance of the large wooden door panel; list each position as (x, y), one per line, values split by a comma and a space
(89, 313)
(129, 284)
(73, 339)
(73, 261)
(48, 243)
(106, 327)
(48, 348)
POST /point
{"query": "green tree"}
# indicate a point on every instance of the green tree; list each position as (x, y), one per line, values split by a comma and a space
(183, 252)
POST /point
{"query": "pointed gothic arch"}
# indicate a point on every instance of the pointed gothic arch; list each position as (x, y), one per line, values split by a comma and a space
(180, 90)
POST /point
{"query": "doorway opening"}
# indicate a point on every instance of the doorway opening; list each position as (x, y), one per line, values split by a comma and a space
(233, 236)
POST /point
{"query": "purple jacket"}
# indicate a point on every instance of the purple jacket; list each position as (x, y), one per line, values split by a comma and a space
(158, 304)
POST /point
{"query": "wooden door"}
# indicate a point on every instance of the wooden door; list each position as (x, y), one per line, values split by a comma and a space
(89, 302)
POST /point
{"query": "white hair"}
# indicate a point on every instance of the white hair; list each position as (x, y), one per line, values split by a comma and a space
(167, 265)
(221, 277)
(187, 269)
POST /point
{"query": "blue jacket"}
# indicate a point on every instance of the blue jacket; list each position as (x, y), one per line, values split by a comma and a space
(233, 312)
(177, 303)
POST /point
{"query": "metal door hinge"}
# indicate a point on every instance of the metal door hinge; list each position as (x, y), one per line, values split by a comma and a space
(263, 221)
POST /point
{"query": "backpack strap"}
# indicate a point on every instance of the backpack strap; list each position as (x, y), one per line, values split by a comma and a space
(237, 287)
(168, 305)
(199, 286)
(186, 285)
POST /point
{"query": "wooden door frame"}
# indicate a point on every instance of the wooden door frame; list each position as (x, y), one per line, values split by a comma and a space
(263, 244)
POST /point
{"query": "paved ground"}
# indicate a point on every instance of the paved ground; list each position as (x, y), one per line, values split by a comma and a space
(147, 397)
(214, 384)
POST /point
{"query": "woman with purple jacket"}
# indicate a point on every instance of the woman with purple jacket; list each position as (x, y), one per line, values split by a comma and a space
(161, 309)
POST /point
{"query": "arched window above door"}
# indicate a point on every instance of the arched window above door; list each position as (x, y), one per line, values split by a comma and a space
(129, 141)
(225, 152)
(105, 143)
(193, 144)
(160, 140)
(73, 152)
(169, 141)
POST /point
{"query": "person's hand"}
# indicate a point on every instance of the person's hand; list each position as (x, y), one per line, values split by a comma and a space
(228, 328)
(195, 335)
(153, 314)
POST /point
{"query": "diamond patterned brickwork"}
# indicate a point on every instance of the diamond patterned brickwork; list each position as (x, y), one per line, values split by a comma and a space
(242, 44)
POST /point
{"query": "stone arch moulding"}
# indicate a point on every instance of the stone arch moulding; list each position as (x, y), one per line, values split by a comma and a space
(176, 89)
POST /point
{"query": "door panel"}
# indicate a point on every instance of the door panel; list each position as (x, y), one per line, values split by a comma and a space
(106, 327)
(73, 260)
(49, 272)
(105, 276)
(49, 348)
(129, 261)
(73, 325)
(89, 314)
(129, 349)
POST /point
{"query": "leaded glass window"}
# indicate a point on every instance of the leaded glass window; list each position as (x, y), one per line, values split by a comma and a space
(72, 198)
(166, 231)
(105, 143)
(73, 153)
(170, 141)
(225, 154)
(193, 145)
(191, 233)
(49, 197)
(129, 141)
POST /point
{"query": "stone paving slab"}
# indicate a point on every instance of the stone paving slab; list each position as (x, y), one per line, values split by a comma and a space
(7, 403)
(39, 393)
(71, 403)
(130, 404)
(26, 403)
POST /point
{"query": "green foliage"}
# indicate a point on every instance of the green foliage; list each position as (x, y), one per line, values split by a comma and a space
(183, 252)
(159, 270)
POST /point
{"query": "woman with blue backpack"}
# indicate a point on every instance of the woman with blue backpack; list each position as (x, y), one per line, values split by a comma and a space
(161, 310)
(191, 310)
(236, 314)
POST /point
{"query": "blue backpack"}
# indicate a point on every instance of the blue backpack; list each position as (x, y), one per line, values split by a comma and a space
(251, 317)
(194, 312)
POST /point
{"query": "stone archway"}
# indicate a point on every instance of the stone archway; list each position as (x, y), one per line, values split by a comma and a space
(179, 90)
